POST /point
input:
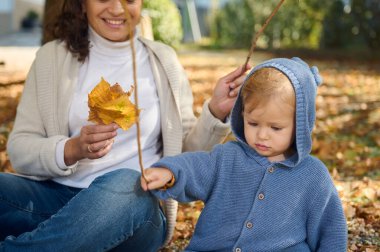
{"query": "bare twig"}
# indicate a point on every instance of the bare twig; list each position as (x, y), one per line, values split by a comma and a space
(257, 35)
(10, 83)
(131, 39)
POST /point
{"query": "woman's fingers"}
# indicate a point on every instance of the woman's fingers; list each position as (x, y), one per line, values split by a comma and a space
(225, 92)
(96, 140)
(100, 137)
(233, 75)
(237, 73)
(97, 146)
(235, 86)
(98, 153)
(98, 133)
(100, 128)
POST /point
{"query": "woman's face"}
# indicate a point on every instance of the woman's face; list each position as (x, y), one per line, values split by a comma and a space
(108, 18)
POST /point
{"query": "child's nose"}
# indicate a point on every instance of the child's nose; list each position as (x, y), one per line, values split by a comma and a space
(262, 133)
(116, 8)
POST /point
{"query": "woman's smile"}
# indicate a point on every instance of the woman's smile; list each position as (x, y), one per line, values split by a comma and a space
(108, 18)
(114, 22)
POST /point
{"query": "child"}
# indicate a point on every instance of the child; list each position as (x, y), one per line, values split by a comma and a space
(263, 192)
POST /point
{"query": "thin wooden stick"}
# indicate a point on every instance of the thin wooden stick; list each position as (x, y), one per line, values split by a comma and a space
(131, 39)
(258, 34)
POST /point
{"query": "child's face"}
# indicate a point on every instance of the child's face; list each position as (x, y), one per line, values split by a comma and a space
(269, 129)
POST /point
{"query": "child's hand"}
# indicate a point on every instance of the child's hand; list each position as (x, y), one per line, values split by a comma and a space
(157, 178)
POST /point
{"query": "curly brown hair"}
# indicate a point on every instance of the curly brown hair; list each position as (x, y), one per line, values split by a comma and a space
(71, 26)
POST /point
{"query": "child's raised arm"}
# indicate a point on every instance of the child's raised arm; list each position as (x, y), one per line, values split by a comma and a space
(157, 178)
(187, 177)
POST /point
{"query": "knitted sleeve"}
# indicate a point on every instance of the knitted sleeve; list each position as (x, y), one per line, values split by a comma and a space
(195, 174)
(326, 224)
(201, 133)
(31, 150)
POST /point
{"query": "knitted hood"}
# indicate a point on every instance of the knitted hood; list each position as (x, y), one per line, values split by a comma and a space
(305, 81)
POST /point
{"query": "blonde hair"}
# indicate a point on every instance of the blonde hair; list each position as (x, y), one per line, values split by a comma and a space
(265, 84)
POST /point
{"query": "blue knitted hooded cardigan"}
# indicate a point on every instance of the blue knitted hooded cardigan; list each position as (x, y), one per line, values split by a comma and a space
(252, 204)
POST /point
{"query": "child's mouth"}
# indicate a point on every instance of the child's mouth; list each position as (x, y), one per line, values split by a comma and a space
(262, 147)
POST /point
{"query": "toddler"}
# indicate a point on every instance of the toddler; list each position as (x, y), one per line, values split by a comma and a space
(264, 191)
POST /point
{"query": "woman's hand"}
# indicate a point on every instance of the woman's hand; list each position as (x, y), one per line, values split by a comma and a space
(156, 178)
(94, 142)
(225, 93)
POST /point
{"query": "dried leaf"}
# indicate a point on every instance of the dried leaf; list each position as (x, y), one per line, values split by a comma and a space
(111, 104)
(370, 250)
(370, 193)
(349, 211)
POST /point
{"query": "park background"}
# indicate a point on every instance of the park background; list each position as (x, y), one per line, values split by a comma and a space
(341, 37)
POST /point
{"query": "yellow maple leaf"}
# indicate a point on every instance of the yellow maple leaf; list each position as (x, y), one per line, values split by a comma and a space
(109, 104)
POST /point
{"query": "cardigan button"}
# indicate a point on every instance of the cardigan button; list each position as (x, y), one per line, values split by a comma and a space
(261, 196)
(249, 225)
(271, 170)
(238, 250)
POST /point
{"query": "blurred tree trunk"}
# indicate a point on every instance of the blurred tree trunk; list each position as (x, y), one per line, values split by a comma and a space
(52, 10)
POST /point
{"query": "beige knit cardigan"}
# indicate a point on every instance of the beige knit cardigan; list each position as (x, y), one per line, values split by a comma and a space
(43, 113)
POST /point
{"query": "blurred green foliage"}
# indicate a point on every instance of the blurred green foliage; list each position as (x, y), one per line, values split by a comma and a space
(366, 15)
(166, 21)
(352, 26)
(232, 25)
(300, 24)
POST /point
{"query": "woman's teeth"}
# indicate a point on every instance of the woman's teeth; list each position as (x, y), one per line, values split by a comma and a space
(114, 22)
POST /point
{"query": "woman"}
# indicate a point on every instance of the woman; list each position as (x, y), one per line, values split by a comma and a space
(79, 185)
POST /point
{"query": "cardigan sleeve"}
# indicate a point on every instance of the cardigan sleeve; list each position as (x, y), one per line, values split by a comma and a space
(197, 133)
(326, 224)
(195, 175)
(204, 132)
(30, 149)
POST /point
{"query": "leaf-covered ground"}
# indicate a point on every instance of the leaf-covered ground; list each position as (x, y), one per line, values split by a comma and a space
(346, 136)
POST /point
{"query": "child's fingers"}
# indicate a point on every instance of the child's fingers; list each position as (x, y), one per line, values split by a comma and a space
(155, 184)
(143, 184)
(156, 178)
(150, 181)
(145, 180)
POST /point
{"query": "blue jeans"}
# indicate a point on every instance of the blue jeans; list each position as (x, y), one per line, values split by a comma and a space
(113, 214)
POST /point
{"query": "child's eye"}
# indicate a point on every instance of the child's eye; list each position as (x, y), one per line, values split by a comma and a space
(276, 128)
(252, 124)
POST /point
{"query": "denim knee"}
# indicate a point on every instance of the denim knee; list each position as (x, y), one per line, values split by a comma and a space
(25, 203)
(149, 237)
(123, 186)
(120, 181)
(114, 209)
(134, 210)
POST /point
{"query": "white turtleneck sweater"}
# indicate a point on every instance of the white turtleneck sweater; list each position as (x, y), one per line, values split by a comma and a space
(113, 62)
